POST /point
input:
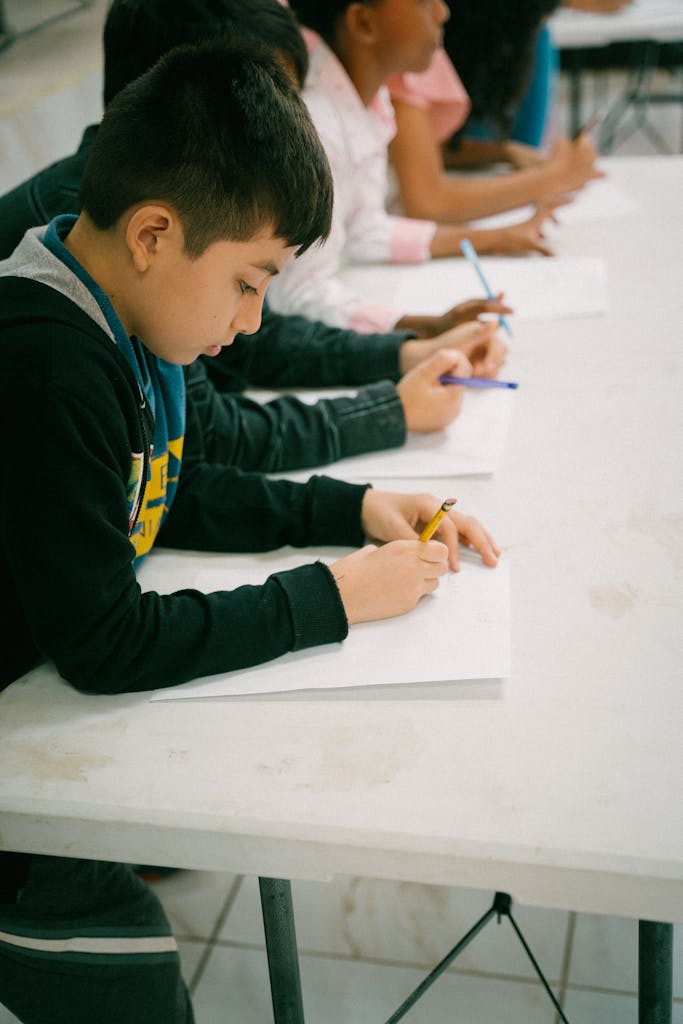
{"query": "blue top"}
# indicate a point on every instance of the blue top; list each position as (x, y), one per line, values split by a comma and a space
(162, 384)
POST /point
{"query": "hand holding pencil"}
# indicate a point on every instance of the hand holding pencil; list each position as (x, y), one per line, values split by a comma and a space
(479, 340)
(378, 582)
(427, 404)
(389, 515)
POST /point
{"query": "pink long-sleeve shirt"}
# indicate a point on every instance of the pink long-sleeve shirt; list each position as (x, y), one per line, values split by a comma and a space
(439, 91)
(355, 138)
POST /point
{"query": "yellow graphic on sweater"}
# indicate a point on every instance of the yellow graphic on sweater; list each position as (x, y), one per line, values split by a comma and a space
(161, 485)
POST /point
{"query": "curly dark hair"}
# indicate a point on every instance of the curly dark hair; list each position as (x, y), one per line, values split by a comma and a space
(491, 43)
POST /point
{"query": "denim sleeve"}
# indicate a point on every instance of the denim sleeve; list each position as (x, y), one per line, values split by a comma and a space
(287, 433)
(291, 351)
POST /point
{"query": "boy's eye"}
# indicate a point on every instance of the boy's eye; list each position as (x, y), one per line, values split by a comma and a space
(246, 289)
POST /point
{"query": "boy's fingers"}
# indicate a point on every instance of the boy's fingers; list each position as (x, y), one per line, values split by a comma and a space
(446, 360)
(477, 537)
(472, 533)
(435, 554)
(448, 535)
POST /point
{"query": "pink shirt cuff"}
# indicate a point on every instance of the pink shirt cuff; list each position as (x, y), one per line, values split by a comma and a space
(411, 240)
(372, 318)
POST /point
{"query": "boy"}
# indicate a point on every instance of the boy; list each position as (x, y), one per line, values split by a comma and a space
(285, 433)
(189, 209)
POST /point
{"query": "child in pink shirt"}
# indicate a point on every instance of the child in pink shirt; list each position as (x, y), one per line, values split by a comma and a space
(353, 51)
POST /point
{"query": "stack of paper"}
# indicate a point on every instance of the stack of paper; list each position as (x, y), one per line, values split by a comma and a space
(538, 288)
(471, 445)
(461, 631)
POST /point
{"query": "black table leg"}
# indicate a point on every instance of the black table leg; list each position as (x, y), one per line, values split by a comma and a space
(575, 60)
(283, 958)
(655, 972)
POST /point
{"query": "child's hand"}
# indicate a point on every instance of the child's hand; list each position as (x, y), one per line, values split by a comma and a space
(478, 340)
(460, 316)
(572, 164)
(527, 236)
(522, 156)
(388, 516)
(428, 404)
(472, 309)
(378, 583)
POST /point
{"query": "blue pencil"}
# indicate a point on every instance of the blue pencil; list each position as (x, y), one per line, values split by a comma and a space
(470, 255)
(477, 382)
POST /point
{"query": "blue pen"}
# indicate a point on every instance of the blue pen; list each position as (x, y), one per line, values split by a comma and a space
(470, 255)
(477, 382)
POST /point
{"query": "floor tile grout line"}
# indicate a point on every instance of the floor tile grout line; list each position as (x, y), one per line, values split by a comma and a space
(566, 962)
(215, 932)
(349, 958)
(518, 979)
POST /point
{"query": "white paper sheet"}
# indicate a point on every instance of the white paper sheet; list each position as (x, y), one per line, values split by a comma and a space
(471, 445)
(599, 200)
(462, 631)
(537, 287)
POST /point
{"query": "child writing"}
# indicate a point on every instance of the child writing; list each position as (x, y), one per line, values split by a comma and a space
(398, 375)
(190, 209)
(355, 49)
(464, 116)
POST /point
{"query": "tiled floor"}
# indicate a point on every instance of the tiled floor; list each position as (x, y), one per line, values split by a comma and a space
(364, 944)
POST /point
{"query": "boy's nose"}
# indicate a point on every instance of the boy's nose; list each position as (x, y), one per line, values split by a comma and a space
(247, 319)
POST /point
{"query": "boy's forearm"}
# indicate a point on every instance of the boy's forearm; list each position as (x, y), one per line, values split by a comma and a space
(145, 641)
(286, 433)
(187, 635)
(221, 508)
(304, 435)
(292, 351)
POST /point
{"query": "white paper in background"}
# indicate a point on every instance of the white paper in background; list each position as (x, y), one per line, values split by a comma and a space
(471, 445)
(537, 287)
(461, 631)
(600, 199)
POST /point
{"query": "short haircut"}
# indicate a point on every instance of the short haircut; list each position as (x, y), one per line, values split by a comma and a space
(138, 32)
(322, 16)
(220, 134)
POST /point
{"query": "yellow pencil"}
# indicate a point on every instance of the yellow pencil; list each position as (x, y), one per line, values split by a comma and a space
(431, 526)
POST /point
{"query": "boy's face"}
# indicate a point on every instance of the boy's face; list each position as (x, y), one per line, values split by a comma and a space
(409, 31)
(188, 307)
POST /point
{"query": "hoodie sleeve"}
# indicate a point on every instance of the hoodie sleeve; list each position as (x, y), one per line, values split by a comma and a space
(70, 565)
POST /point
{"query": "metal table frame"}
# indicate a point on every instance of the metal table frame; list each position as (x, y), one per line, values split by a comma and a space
(655, 960)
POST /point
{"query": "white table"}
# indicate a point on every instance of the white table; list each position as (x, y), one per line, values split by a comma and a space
(561, 785)
(661, 20)
(650, 22)
(9, 34)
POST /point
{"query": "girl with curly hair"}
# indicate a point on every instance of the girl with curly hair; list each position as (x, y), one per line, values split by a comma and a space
(493, 110)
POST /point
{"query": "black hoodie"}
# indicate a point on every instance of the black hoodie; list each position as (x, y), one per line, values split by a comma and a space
(71, 418)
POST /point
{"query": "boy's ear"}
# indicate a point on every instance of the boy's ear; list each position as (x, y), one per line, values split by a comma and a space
(359, 21)
(148, 231)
